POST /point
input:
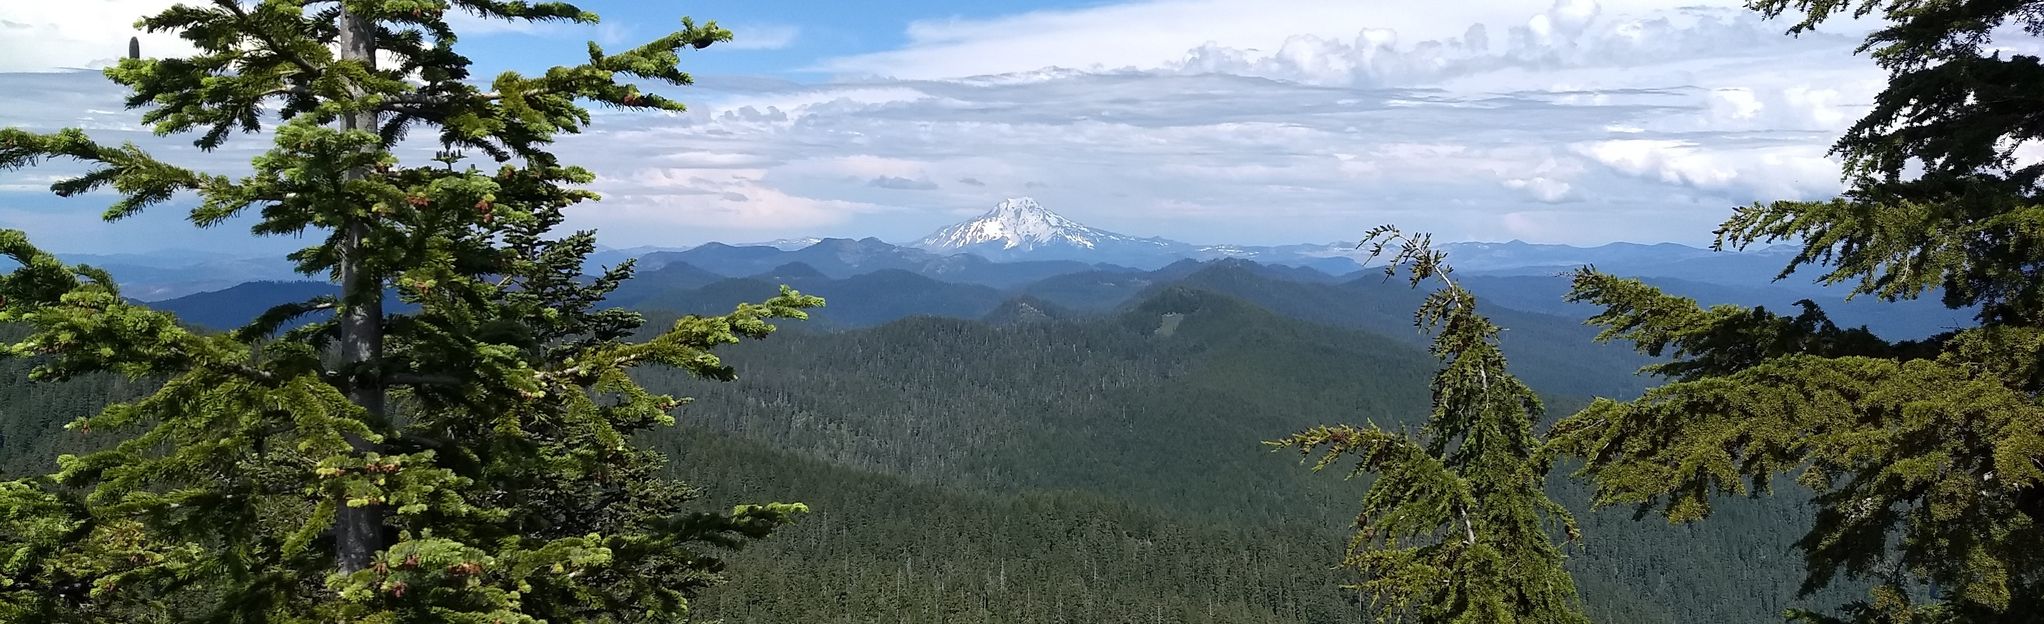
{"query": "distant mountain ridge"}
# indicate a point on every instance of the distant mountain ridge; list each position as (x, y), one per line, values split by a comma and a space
(1022, 229)
(844, 257)
(1019, 243)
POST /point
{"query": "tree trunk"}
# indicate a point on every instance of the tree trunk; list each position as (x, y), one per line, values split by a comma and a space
(358, 531)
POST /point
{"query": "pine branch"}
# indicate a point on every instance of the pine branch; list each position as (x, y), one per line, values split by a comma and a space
(250, 28)
(516, 458)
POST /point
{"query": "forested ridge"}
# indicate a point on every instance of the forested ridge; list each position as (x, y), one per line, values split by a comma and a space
(1106, 461)
(473, 416)
(1014, 413)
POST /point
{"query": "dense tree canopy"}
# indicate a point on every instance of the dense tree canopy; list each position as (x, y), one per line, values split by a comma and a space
(1085, 469)
(1926, 457)
(469, 462)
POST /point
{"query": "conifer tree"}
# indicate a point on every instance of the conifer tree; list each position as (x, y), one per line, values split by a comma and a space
(469, 462)
(1924, 458)
(1456, 526)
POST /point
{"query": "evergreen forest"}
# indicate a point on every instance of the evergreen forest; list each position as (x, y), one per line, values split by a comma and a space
(466, 412)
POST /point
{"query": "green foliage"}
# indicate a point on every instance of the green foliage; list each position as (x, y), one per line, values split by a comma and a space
(1939, 200)
(1100, 465)
(267, 478)
(1455, 525)
(1107, 407)
(1104, 405)
(1925, 458)
(883, 548)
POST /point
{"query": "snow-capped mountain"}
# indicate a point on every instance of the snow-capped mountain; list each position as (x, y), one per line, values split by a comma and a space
(787, 244)
(1020, 227)
(1019, 239)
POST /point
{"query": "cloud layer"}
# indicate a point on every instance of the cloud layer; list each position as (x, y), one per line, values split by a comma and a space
(1574, 122)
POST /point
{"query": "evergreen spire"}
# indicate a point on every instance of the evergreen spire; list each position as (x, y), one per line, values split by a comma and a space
(1924, 459)
(470, 462)
(1455, 526)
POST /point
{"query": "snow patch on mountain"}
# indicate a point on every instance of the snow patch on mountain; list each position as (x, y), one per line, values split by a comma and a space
(1021, 224)
(1228, 251)
(787, 244)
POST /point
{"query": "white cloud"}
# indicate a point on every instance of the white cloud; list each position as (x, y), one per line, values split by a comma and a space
(1749, 173)
(902, 184)
(668, 204)
(1735, 103)
(1154, 32)
(1335, 42)
(1544, 189)
(2024, 154)
(37, 36)
(1218, 121)
(46, 36)
(760, 37)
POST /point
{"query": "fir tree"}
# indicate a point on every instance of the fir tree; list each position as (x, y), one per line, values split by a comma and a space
(1455, 527)
(470, 462)
(1925, 458)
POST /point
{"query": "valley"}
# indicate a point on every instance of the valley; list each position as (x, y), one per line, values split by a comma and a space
(1057, 440)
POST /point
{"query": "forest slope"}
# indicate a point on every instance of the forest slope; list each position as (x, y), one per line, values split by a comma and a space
(1089, 468)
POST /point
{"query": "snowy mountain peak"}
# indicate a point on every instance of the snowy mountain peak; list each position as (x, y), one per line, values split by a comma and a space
(787, 244)
(1019, 228)
(1017, 223)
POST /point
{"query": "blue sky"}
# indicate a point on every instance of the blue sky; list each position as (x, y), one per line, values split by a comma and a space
(784, 39)
(1208, 121)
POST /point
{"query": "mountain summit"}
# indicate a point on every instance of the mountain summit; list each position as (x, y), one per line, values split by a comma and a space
(1020, 227)
(1017, 222)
